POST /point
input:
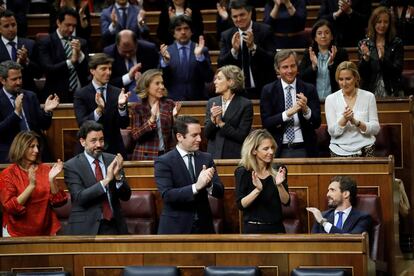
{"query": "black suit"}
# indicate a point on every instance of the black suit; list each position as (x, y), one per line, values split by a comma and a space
(146, 54)
(356, 223)
(84, 105)
(31, 70)
(261, 63)
(272, 105)
(226, 142)
(36, 118)
(87, 196)
(52, 58)
(180, 205)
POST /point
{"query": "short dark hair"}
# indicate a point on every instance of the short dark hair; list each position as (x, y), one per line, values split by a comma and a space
(240, 4)
(315, 27)
(347, 184)
(181, 124)
(179, 21)
(119, 34)
(87, 127)
(7, 13)
(62, 12)
(99, 59)
(8, 65)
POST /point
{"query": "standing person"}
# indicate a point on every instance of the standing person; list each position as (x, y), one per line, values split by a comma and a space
(153, 118)
(28, 190)
(319, 63)
(351, 115)
(261, 187)
(249, 45)
(342, 217)
(185, 177)
(381, 56)
(229, 116)
(103, 103)
(186, 65)
(96, 183)
(290, 109)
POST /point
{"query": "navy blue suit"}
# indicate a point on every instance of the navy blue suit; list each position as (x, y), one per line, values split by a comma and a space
(356, 223)
(31, 70)
(190, 87)
(272, 105)
(179, 203)
(146, 54)
(52, 58)
(36, 118)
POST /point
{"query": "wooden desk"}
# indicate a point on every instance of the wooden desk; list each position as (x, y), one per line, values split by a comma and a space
(107, 255)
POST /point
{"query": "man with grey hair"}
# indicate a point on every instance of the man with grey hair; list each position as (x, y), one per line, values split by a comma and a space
(290, 109)
(20, 109)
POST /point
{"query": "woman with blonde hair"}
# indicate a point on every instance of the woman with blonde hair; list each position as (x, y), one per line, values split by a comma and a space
(28, 190)
(261, 186)
(351, 115)
(153, 118)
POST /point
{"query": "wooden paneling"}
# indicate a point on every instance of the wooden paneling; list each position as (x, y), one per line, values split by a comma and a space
(107, 255)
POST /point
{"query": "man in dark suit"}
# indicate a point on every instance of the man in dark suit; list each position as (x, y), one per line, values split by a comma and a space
(349, 19)
(96, 183)
(249, 45)
(341, 217)
(185, 177)
(20, 109)
(103, 103)
(64, 59)
(22, 50)
(290, 110)
(186, 65)
(131, 58)
(122, 16)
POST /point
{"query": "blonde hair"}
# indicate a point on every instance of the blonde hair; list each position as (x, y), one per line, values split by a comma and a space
(20, 145)
(348, 65)
(233, 72)
(145, 81)
(251, 143)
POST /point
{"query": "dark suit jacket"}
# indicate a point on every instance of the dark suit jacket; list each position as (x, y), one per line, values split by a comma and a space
(356, 223)
(36, 117)
(84, 105)
(52, 58)
(179, 203)
(261, 63)
(87, 196)
(226, 142)
(272, 105)
(31, 70)
(147, 55)
(190, 87)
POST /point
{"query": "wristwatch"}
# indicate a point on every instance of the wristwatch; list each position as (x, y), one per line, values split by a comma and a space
(323, 220)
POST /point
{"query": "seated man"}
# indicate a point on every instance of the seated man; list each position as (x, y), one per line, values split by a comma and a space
(341, 217)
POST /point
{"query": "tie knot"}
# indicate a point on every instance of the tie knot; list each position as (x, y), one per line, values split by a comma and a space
(12, 43)
(101, 89)
(340, 213)
(288, 88)
(96, 162)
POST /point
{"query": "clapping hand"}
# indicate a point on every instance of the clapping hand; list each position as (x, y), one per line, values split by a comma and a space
(216, 112)
(55, 170)
(198, 50)
(51, 103)
(256, 181)
(177, 108)
(280, 176)
(205, 176)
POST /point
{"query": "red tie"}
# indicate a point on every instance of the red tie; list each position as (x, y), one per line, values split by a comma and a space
(106, 209)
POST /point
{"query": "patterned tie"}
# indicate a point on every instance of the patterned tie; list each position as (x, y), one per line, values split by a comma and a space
(290, 132)
(106, 208)
(184, 61)
(22, 123)
(13, 50)
(73, 77)
(191, 167)
(339, 222)
(124, 17)
(246, 64)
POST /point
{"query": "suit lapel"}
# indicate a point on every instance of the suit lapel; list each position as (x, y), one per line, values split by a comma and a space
(232, 107)
(4, 54)
(182, 166)
(60, 52)
(349, 222)
(86, 169)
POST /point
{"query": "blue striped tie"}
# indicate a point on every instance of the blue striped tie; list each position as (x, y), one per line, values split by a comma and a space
(73, 77)
(290, 132)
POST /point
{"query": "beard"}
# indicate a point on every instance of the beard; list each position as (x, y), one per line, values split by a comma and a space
(333, 204)
(96, 153)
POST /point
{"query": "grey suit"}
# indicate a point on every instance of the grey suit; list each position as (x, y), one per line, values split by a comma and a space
(226, 142)
(87, 196)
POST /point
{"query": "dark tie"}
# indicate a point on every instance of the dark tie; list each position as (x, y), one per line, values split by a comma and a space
(73, 78)
(13, 50)
(184, 61)
(191, 167)
(22, 122)
(246, 64)
(106, 208)
(290, 132)
(124, 17)
(339, 223)
(102, 92)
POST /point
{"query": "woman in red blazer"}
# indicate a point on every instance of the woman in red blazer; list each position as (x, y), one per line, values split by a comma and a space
(28, 190)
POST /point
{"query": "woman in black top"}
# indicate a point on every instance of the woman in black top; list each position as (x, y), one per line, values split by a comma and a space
(261, 187)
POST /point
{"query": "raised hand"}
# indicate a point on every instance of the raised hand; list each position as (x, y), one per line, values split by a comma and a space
(18, 104)
(177, 108)
(51, 103)
(114, 17)
(302, 102)
(204, 177)
(348, 114)
(118, 165)
(22, 55)
(99, 100)
(236, 41)
(55, 170)
(32, 175)
(280, 176)
(313, 58)
(141, 17)
(364, 50)
(316, 213)
(164, 53)
(249, 39)
(216, 112)
(171, 12)
(222, 12)
(332, 55)
(188, 12)
(155, 110)
(256, 181)
(198, 49)
(123, 98)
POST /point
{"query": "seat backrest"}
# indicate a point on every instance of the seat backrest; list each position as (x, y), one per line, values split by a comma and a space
(217, 210)
(291, 215)
(318, 272)
(140, 213)
(43, 273)
(150, 271)
(63, 214)
(231, 271)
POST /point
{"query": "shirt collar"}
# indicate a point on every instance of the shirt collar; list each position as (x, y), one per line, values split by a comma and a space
(183, 45)
(121, 7)
(96, 86)
(285, 84)
(9, 95)
(182, 152)
(346, 211)
(6, 41)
